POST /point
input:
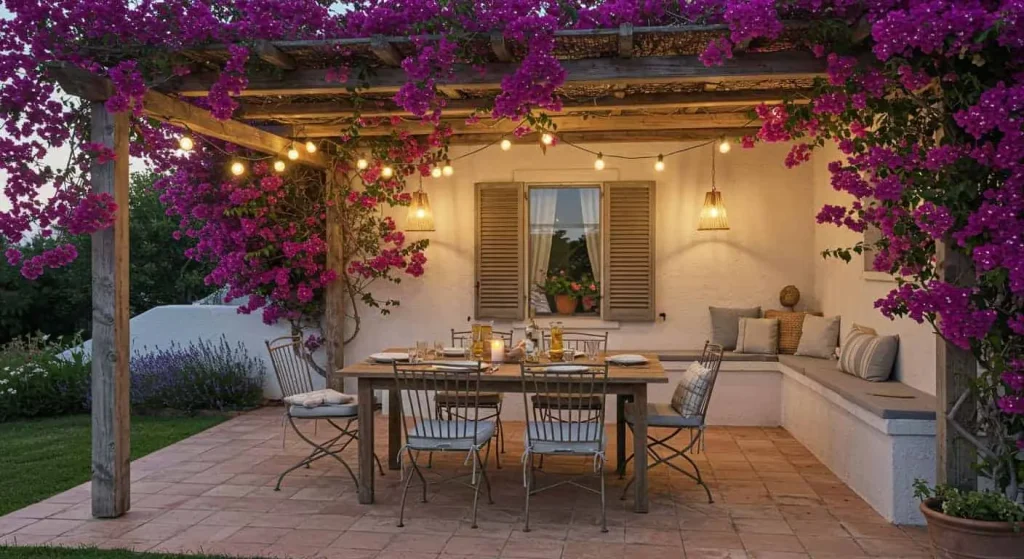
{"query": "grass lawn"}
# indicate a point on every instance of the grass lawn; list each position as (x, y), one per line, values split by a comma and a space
(63, 553)
(42, 457)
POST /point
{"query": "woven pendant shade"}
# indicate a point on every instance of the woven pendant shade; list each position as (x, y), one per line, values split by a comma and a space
(420, 218)
(712, 215)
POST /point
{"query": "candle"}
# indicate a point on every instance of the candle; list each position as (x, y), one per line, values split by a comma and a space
(497, 351)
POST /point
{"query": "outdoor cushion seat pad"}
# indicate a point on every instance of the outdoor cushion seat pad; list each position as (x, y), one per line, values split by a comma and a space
(456, 434)
(328, 410)
(663, 415)
(563, 438)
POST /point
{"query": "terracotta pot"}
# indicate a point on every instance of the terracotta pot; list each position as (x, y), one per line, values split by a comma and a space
(565, 304)
(960, 538)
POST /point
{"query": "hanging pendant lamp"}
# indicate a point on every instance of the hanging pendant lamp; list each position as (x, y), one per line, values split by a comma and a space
(712, 215)
(420, 217)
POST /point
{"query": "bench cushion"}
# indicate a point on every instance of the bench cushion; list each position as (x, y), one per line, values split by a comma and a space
(694, 355)
(888, 400)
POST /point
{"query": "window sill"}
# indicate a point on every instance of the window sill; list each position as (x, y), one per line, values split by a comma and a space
(877, 276)
(572, 322)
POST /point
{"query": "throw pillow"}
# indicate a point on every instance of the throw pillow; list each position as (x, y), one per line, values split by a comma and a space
(691, 390)
(819, 337)
(868, 356)
(725, 324)
(791, 324)
(758, 335)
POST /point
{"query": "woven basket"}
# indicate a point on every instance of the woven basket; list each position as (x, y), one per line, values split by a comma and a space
(791, 325)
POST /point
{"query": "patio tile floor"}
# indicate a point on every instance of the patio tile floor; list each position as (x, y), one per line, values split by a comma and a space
(213, 493)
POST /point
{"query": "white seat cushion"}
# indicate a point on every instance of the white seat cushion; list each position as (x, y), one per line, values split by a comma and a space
(564, 438)
(663, 415)
(329, 410)
(449, 435)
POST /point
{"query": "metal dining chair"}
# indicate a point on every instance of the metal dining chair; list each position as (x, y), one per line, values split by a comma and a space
(565, 428)
(688, 410)
(487, 400)
(291, 362)
(431, 431)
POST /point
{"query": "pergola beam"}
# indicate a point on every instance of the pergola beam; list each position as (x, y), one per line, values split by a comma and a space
(626, 40)
(87, 85)
(274, 56)
(461, 107)
(591, 71)
(614, 136)
(563, 124)
(385, 51)
(500, 48)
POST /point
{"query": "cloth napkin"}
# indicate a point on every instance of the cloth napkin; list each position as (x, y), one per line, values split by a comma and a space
(316, 398)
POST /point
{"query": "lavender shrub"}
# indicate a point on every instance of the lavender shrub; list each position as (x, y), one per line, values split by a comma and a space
(204, 375)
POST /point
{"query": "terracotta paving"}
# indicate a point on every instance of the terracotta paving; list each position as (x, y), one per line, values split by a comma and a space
(213, 493)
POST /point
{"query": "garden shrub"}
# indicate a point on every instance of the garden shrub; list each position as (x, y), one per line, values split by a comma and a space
(40, 378)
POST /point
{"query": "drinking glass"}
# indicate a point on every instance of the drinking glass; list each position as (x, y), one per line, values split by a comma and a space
(568, 355)
(592, 348)
(439, 349)
(421, 350)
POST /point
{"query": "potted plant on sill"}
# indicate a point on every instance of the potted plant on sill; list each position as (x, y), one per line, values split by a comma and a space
(565, 291)
(971, 524)
(590, 293)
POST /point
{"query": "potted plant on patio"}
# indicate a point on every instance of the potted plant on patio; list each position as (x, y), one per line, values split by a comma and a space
(565, 291)
(969, 524)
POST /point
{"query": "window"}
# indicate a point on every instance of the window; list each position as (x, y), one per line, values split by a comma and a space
(602, 231)
(564, 247)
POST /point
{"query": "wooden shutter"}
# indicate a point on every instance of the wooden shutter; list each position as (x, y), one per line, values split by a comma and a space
(629, 251)
(500, 242)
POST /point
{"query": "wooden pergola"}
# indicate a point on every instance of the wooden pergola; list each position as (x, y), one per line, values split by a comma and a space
(627, 84)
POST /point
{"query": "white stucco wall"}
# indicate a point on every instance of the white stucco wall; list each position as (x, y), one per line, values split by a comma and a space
(767, 248)
(844, 289)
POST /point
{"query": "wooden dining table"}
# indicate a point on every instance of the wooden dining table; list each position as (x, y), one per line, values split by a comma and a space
(628, 383)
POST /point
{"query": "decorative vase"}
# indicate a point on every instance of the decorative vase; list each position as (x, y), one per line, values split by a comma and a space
(961, 538)
(565, 304)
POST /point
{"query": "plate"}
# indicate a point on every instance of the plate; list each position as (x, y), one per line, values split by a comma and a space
(389, 357)
(627, 359)
(566, 369)
(454, 351)
(458, 364)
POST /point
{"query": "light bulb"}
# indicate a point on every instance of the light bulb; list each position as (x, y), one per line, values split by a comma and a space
(599, 162)
(362, 164)
(420, 213)
(310, 147)
(279, 166)
(724, 146)
(546, 139)
(659, 165)
(435, 172)
(237, 168)
(293, 153)
(506, 144)
(713, 212)
(387, 172)
(186, 143)
(447, 169)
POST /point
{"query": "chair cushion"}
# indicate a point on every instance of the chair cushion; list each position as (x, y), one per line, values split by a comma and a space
(551, 437)
(564, 402)
(456, 434)
(461, 399)
(868, 356)
(758, 335)
(725, 323)
(663, 415)
(819, 336)
(329, 410)
(691, 390)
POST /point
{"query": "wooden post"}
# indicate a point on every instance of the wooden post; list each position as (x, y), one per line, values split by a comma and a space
(110, 337)
(955, 457)
(334, 312)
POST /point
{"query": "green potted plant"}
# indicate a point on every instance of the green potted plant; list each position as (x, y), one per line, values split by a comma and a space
(565, 291)
(590, 292)
(971, 524)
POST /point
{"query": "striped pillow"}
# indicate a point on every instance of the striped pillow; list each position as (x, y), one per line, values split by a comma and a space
(868, 356)
(691, 390)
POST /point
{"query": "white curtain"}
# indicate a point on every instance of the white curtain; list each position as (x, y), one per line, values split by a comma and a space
(543, 203)
(590, 202)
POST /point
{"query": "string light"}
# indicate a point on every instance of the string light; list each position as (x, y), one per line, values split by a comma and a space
(310, 147)
(659, 165)
(724, 146)
(599, 162)
(387, 172)
(293, 153)
(279, 166)
(237, 168)
(447, 170)
(435, 172)
(186, 143)
(362, 164)
(547, 139)
(506, 144)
